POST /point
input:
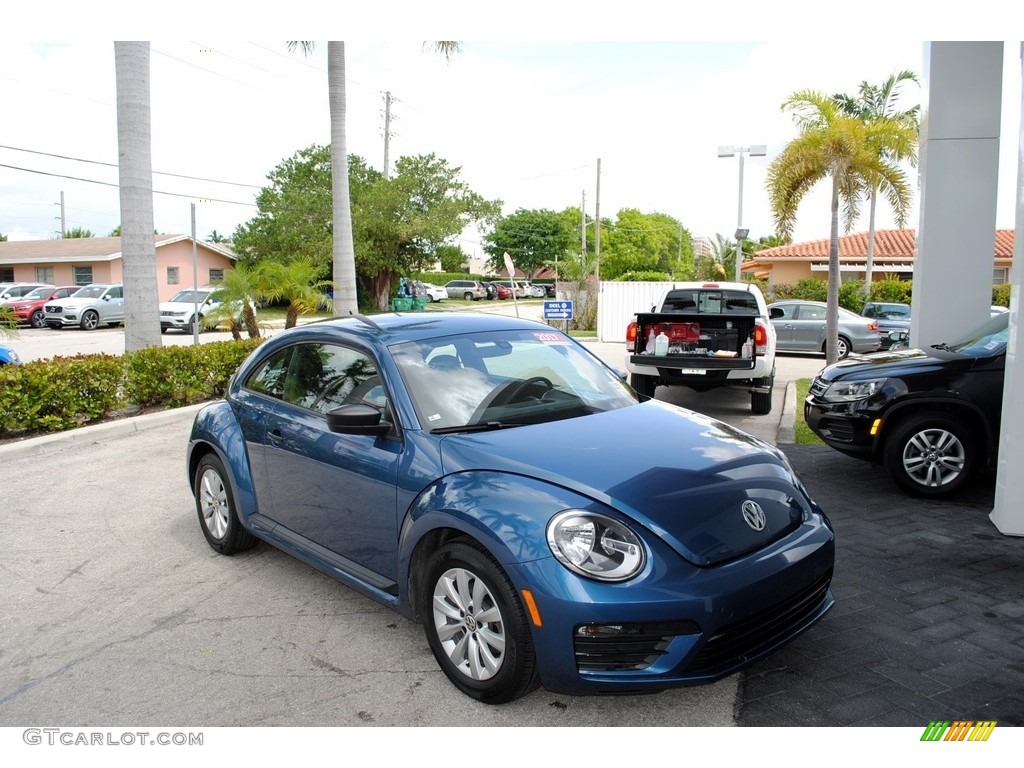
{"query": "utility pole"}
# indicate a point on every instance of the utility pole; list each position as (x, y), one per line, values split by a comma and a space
(583, 225)
(387, 133)
(63, 225)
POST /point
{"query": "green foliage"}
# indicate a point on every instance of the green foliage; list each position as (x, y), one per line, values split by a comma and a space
(533, 238)
(851, 295)
(76, 232)
(1001, 295)
(645, 242)
(644, 277)
(809, 289)
(69, 392)
(452, 258)
(892, 290)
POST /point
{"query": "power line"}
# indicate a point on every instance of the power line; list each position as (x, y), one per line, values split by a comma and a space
(110, 184)
(114, 165)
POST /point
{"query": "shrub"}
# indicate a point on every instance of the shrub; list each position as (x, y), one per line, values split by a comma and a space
(1001, 295)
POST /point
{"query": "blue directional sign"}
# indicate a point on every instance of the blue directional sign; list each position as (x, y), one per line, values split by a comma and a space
(558, 310)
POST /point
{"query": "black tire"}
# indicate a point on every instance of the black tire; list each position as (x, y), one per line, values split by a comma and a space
(163, 329)
(497, 662)
(931, 454)
(90, 320)
(643, 385)
(193, 326)
(468, 296)
(215, 505)
(761, 402)
(843, 348)
(37, 319)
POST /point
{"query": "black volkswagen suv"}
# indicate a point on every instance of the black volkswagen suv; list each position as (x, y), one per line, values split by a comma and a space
(931, 417)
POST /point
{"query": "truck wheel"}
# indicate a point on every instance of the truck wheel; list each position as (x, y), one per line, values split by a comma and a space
(644, 385)
(761, 402)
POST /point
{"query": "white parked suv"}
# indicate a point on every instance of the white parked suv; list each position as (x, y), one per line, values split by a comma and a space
(180, 312)
(91, 306)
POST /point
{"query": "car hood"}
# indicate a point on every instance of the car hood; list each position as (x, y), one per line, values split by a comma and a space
(683, 476)
(178, 306)
(894, 364)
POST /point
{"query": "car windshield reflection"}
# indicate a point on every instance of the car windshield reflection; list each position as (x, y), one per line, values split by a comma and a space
(988, 338)
(491, 380)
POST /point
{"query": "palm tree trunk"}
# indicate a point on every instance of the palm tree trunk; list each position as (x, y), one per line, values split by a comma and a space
(135, 178)
(344, 256)
(868, 262)
(832, 299)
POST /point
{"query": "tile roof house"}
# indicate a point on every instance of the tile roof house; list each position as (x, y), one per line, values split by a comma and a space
(895, 250)
(84, 260)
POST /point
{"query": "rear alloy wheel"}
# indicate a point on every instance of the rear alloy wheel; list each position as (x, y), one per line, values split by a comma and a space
(90, 320)
(761, 402)
(932, 454)
(476, 625)
(215, 505)
(468, 296)
(643, 385)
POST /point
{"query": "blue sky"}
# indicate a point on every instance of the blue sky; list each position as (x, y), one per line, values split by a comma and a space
(525, 110)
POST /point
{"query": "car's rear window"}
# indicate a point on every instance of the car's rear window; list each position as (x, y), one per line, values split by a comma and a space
(710, 301)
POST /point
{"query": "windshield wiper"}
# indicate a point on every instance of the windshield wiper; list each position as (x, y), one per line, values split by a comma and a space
(943, 346)
(483, 426)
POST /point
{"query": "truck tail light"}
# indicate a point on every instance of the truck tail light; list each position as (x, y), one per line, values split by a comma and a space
(631, 337)
(760, 340)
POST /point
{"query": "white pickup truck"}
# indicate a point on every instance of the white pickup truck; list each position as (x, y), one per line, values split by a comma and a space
(704, 336)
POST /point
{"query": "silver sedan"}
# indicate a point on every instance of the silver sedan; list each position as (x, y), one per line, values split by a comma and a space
(800, 327)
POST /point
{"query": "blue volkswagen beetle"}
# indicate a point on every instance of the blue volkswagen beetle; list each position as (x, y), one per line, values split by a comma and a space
(8, 356)
(490, 478)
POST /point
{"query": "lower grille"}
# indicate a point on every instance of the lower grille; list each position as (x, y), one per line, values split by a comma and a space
(632, 646)
(746, 636)
(837, 429)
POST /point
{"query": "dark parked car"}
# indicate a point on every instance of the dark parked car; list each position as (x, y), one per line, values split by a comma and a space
(498, 291)
(931, 417)
(489, 477)
(800, 327)
(891, 316)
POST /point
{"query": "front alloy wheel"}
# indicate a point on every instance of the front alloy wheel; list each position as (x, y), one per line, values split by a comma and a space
(476, 626)
(90, 320)
(215, 505)
(931, 455)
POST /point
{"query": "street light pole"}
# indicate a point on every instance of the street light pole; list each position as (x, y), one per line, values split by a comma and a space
(755, 150)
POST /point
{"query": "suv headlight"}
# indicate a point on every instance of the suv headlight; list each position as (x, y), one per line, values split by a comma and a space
(595, 546)
(848, 391)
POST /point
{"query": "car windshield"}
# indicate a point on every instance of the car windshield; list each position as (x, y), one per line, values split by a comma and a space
(501, 379)
(986, 340)
(190, 297)
(38, 293)
(90, 292)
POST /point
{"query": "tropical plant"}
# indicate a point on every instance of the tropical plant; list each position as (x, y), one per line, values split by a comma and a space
(343, 250)
(873, 102)
(297, 283)
(241, 286)
(856, 155)
(76, 232)
(135, 183)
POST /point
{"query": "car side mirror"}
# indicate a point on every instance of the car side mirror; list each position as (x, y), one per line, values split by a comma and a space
(775, 313)
(357, 419)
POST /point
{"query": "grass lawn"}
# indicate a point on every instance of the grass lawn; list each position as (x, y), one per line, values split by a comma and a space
(804, 436)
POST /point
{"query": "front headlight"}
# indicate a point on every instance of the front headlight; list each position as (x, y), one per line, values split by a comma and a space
(848, 391)
(595, 546)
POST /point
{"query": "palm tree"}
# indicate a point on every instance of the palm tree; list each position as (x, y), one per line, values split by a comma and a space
(135, 182)
(344, 253)
(297, 282)
(856, 155)
(877, 101)
(240, 287)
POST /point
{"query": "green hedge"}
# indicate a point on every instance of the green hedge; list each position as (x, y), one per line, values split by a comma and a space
(68, 392)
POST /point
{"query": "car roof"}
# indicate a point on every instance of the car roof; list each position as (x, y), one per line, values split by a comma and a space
(396, 327)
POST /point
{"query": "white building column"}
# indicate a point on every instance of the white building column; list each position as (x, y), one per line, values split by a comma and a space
(1008, 513)
(959, 166)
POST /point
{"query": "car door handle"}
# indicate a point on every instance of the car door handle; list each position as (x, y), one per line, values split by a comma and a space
(275, 436)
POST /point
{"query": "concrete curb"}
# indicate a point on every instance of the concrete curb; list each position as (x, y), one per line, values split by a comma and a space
(40, 446)
(787, 422)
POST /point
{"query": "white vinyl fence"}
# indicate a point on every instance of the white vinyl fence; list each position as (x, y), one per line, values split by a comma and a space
(618, 303)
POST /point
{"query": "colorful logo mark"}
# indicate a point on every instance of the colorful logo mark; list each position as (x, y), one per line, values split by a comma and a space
(958, 730)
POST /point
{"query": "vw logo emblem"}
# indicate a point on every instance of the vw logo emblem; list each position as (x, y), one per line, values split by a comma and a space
(754, 515)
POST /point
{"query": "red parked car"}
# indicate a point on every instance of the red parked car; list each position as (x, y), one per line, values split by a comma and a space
(29, 308)
(500, 291)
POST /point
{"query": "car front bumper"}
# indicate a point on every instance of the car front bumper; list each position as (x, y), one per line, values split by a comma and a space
(842, 426)
(678, 625)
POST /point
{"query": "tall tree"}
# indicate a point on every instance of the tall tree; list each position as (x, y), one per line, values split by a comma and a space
(135, 181)
(645, 242)
(847, 150)
(533, 238)
(873, 102)
(76, 232)
(344, 255)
